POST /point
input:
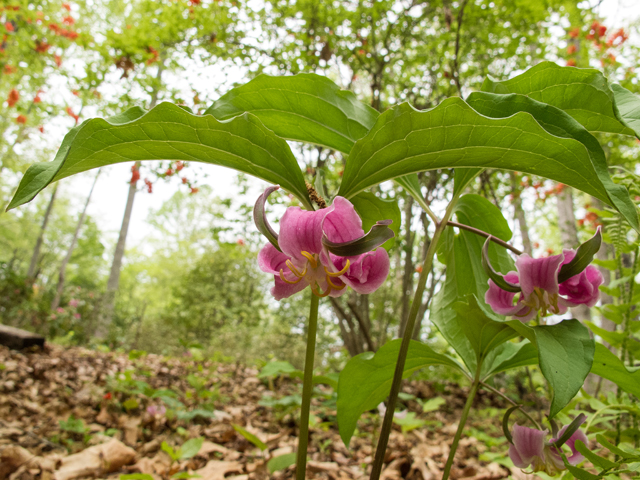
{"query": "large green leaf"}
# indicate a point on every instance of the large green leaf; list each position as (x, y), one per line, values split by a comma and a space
(584, 93)
(305, 107)
(513, 355)
(558, 123)
(628, 106)
(465, 275)
(405, 140)
(366, 379)
(168, 132)
(607, 365)
(373, 209)
(566, 354)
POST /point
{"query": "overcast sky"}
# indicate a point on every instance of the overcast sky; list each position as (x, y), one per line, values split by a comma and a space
(107, 206)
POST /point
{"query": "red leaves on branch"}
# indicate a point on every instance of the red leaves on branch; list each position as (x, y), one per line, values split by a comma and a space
(194, 190)
(41, 128)
(179, 166)
(58, 60)
(184, 180)
(9, 69)
(149, 185)
(574, 32)
(42, 46)
(617, 38)
(169, 172)
(571, 49)
(135, 174)
(240, 242)
(68, 20)
(571, 62)
(71, 114)
(13, 98)
(154, 55)
(21, 119)
(9, 27)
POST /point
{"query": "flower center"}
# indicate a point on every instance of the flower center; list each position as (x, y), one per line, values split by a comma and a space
(541, 300)
(316, 275)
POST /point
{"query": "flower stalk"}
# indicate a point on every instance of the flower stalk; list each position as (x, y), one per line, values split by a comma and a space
(387, 423)
(307, 389)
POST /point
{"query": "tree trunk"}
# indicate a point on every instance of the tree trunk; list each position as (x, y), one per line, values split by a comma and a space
(109, 303)
(114, 275)
(409, 269)
(74, 240)
(31, 273)
(518, 213)
(569, 238)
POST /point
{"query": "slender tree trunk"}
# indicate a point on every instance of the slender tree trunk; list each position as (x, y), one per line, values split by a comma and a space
(407, 277)
(114, 275)
(31, 273)
(74, 240)
(108, 306)
(518, 213)
(569, 238)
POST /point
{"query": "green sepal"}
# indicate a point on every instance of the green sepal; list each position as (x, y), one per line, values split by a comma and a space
(493, 275)
(260, 217)
(378, 234)
(584, 256)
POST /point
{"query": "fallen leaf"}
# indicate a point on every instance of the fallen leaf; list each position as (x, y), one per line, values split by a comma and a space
(94, 461)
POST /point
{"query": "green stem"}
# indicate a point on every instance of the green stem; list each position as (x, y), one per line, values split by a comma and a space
(307, 389)
(498, 392)
(387, 424)
(463, 421)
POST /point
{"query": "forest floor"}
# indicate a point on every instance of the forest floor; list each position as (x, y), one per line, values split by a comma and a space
(71, 413)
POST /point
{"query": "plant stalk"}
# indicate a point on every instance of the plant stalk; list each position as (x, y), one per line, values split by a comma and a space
(307, 389)
(463, 421)
(387, 424)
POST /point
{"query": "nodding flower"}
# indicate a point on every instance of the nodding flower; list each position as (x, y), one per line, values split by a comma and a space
(299, 256)
(529, 449)
(537, 280)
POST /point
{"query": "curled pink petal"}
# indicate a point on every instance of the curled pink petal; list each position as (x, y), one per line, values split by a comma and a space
(342, 224)
(367, 272)
(583, 288)
(270, 260)
(576, 457)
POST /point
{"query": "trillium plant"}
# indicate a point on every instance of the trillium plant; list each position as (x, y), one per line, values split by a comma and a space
(498, 308)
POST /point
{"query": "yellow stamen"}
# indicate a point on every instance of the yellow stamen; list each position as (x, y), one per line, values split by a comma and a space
(321, 295)
(282, 277)
(341, 272)
(333, 285)
(294, 270)
(310, 257)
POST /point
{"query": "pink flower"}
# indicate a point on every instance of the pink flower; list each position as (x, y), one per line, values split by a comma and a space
(73, 303)
(538, 280)
(529, 449)
(154, 410)
(305, 261)
(77, 316)
(60, 310)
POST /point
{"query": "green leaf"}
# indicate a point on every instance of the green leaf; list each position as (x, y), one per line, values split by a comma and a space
(408, 422)
(566, 353)
(196, 412)
(607, 365)
(366, 380)
(276, 368)
(281, 462)
(136, 476)
(405, 140)
(170, 451)
(167, 132)
(432, 404)
(560, 124)
(130, 404)
(483, 332)
(628, 106)
(373, 209)
(597, 460)
(583, 93)
(185, 475)
(465, 275)
(463, 177)
(514, 355)
(250, 436)
(611, 447)
(190, 448)
(411, 184)
(305, 107)
(581, 474)
(498, 279)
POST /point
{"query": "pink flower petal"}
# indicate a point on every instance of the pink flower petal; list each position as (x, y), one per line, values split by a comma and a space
(342, 224)
(538, 273)
(501, 301)
(528, 443)
(301, 230)
(367, 272)
(576, 457)
(270, 260)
